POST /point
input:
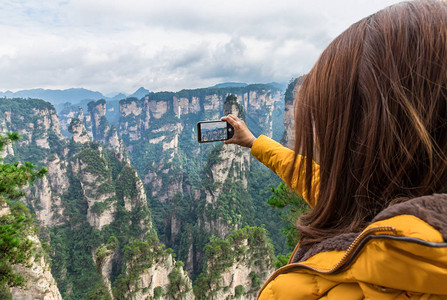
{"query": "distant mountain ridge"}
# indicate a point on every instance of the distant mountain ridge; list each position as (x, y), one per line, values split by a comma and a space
(229, 84)
(81, 95)
(72, 95)
(279, 85)
(56, 96)
(140, 93)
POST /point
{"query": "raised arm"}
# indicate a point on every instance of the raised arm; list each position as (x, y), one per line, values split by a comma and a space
(276, 157)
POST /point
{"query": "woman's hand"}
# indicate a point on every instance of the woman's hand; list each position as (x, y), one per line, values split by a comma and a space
(242, 135)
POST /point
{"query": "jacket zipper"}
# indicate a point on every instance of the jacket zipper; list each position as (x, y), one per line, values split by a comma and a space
(340, 263)
(356, 242)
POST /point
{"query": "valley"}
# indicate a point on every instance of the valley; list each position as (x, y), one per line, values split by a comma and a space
(134, 208)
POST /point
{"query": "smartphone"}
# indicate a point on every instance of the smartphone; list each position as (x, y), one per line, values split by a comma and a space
(213, 131)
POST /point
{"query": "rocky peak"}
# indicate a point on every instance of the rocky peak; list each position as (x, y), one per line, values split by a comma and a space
(8, 150)
(97, 107)
(232, 155)
(100, 125)
(134, 118)
(289, 111)
(113, 142)
(97, 187)
(103, 132)
(49, 122)
(227, 167)
(42, 143)
(35, 120)
(87, 120)
(130, 106)
(184, 106)
(232, 106)
(236, 267)
(152, 273)
(77, 129)
(80, 113)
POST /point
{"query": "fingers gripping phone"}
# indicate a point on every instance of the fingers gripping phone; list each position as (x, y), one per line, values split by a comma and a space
(213, 131)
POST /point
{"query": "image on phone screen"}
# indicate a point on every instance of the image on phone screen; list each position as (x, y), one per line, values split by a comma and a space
(211, 131)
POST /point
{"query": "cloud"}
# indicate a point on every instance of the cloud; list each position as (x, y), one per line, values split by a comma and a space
(111, 45)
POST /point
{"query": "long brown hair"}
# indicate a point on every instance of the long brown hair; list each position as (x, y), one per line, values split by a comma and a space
(375, 105)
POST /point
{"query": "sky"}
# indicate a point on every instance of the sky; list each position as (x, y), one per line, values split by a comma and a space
(115, 46)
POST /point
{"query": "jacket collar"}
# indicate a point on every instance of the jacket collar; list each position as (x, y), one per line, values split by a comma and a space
(431, 209)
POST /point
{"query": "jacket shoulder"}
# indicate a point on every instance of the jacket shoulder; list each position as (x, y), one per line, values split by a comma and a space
(399, 254)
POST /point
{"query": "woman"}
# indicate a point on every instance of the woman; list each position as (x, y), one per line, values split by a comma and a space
(373, 113)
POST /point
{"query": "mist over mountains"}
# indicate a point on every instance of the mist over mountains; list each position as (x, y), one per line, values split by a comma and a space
(82, 95)
(73, 95)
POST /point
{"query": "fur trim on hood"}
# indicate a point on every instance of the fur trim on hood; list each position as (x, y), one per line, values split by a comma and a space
(431, 209)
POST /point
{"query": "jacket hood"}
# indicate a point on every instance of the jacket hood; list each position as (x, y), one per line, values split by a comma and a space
(404, 246)
(430, 209)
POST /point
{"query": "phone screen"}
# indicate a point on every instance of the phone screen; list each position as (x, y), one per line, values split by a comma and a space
(211, 131)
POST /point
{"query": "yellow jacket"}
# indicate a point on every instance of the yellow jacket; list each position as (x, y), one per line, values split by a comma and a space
(402, 254)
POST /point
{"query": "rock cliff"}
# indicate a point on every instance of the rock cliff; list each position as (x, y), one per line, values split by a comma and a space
(97, 186)
(91, 198)
(103, 132)
(190, 186)
(159, 131)
(226, 172)
(38, 282)
(42, 143)
(65, 115)
(95, 211)
(237, 266)
(151, 273)
(77, 129)
(289, 111)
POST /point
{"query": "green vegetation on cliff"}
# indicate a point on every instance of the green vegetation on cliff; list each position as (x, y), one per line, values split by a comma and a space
(248, 247)
(187, 170)
(23, 107)
(140, 256)
(25, 116)
(176, 182)
(290, 206)
(74, 241)
(17, 225)
(16, 247)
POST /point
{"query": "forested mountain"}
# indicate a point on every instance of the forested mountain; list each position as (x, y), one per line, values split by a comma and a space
(118, 194)
(24, 269)
(92, 207)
